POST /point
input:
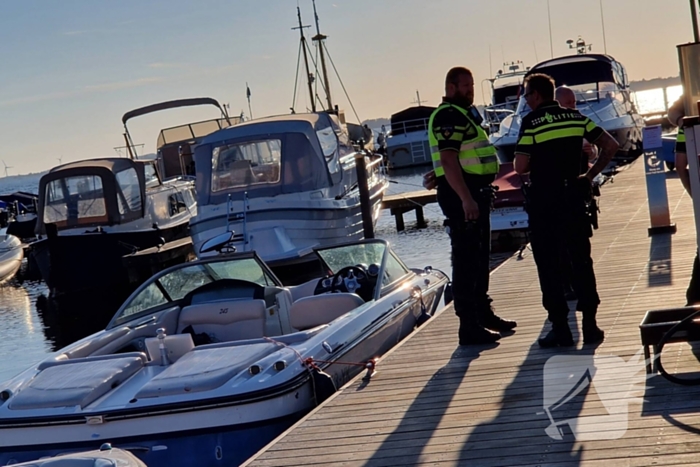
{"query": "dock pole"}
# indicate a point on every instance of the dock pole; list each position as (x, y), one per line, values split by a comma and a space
(365, 206)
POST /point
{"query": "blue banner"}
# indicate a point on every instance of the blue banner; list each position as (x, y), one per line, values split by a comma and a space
(656, 181)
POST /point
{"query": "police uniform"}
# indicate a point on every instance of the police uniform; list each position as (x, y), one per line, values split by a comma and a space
(454, 127)
(552, 137)
(692, 295)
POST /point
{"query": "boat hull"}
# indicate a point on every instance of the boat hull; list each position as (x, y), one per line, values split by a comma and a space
(70, 264)
(11, 255)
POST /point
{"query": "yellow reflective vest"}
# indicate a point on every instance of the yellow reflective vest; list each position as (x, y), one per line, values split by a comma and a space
(476, 155)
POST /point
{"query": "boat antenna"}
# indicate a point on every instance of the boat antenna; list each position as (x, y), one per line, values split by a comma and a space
(418, 101)
(319, 38)
(247, 94)
(602, 22)
(549, 18)
(309, 75)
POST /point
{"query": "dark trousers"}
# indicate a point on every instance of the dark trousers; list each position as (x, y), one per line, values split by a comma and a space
(692, 295)
(556, 228)
(471, 247)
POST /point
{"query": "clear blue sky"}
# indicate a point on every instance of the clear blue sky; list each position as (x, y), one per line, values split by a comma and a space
(71, 68)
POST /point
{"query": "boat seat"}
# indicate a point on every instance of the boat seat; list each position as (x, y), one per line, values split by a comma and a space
(176, 345)
(225, 320)
(303, 290)
(309, 312)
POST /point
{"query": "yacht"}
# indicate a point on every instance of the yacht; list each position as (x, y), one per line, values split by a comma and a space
(602, 93)
(407, 143)
(505, 93)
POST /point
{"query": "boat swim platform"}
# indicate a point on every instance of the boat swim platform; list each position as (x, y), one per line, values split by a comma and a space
(433, 402)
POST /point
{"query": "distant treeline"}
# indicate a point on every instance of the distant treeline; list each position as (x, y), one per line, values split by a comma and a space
(656, 83)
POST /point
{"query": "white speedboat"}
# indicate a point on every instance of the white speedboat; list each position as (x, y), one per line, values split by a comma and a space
(106, 223)
(602, 94)
(11, 254)
(208, 361)
(106, 456)
(284, 184)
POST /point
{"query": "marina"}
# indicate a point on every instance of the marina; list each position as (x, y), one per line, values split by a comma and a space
(271, 286)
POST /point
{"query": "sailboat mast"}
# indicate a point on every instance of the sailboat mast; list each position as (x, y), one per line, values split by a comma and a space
(319, 38)
(309, 76)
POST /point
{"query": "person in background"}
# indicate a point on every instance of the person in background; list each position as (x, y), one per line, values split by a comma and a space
(465, 164)
(549, 149)
(676, 113)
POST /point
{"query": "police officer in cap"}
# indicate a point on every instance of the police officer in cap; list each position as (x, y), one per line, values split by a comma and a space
(465, 165)
(549, 149)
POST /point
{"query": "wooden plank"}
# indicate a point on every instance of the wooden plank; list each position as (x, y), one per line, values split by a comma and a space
(435, 403)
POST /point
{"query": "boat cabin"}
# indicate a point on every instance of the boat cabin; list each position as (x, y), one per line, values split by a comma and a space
(94, 193)
(274, 156)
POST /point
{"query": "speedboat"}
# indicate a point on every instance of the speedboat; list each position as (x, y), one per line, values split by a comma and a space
(107, 223)
(407, 144)
(11, 254)
(602, 94)
(106, 456)
(284, 184)
(209, 360)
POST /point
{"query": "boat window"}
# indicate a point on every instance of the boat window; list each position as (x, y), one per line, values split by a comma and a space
(393, 271)
(75, 200)
(129, 198)
(149, 297)
(246, 164)
(363, 253)
(243, 269)
(151, 175)
(176, 204)
(181, 281)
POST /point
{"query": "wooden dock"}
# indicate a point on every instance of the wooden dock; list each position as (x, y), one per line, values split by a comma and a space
(435, 403)
(406, 202)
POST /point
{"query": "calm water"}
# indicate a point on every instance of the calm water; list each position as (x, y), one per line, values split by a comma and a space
(29, 332)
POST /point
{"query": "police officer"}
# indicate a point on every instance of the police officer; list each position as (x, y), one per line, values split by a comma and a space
(549, 148)
(465, 165)
(692, 294)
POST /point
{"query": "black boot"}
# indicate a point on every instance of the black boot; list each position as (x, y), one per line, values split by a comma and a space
(490, 320)
(472, 333)
(592, 334)
(559, 336)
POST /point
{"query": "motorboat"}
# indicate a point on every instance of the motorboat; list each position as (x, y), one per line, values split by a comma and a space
(106, 224)
(505, 93)
(407, 143)
(106, 456)
(284, 184)
(11, 255)
(18, 212)
(175, 145)
(208, 361)
(602, 93)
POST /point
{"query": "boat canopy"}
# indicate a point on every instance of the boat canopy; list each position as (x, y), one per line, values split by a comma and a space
(270, 156)
(581, 69)
(411, 119)
(92, 193)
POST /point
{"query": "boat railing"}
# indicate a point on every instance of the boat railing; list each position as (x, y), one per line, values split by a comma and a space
(408, 126)
(494, 114)
(584, 100)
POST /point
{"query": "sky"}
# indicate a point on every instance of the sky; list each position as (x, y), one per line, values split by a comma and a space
(70, 69)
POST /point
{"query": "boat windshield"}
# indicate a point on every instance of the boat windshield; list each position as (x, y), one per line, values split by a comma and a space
(360, 253)
(175, 284)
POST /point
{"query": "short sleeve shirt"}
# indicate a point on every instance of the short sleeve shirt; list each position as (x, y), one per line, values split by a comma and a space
(552, 137)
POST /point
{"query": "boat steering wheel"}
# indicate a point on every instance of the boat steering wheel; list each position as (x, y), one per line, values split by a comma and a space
(350, 279)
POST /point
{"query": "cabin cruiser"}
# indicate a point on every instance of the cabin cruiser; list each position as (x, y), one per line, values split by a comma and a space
(175, 145)
(505, 93)
(407, 144)
(602, 94)
(107, 223)
(284, 184)
(209, 360)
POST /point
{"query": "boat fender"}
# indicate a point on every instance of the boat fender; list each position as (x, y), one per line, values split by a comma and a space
(324, 387)
(448, 293)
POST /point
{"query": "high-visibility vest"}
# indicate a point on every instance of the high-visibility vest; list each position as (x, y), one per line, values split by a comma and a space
(476, 156)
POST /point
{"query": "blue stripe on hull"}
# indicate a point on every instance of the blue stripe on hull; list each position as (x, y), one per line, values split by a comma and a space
(209, 448)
